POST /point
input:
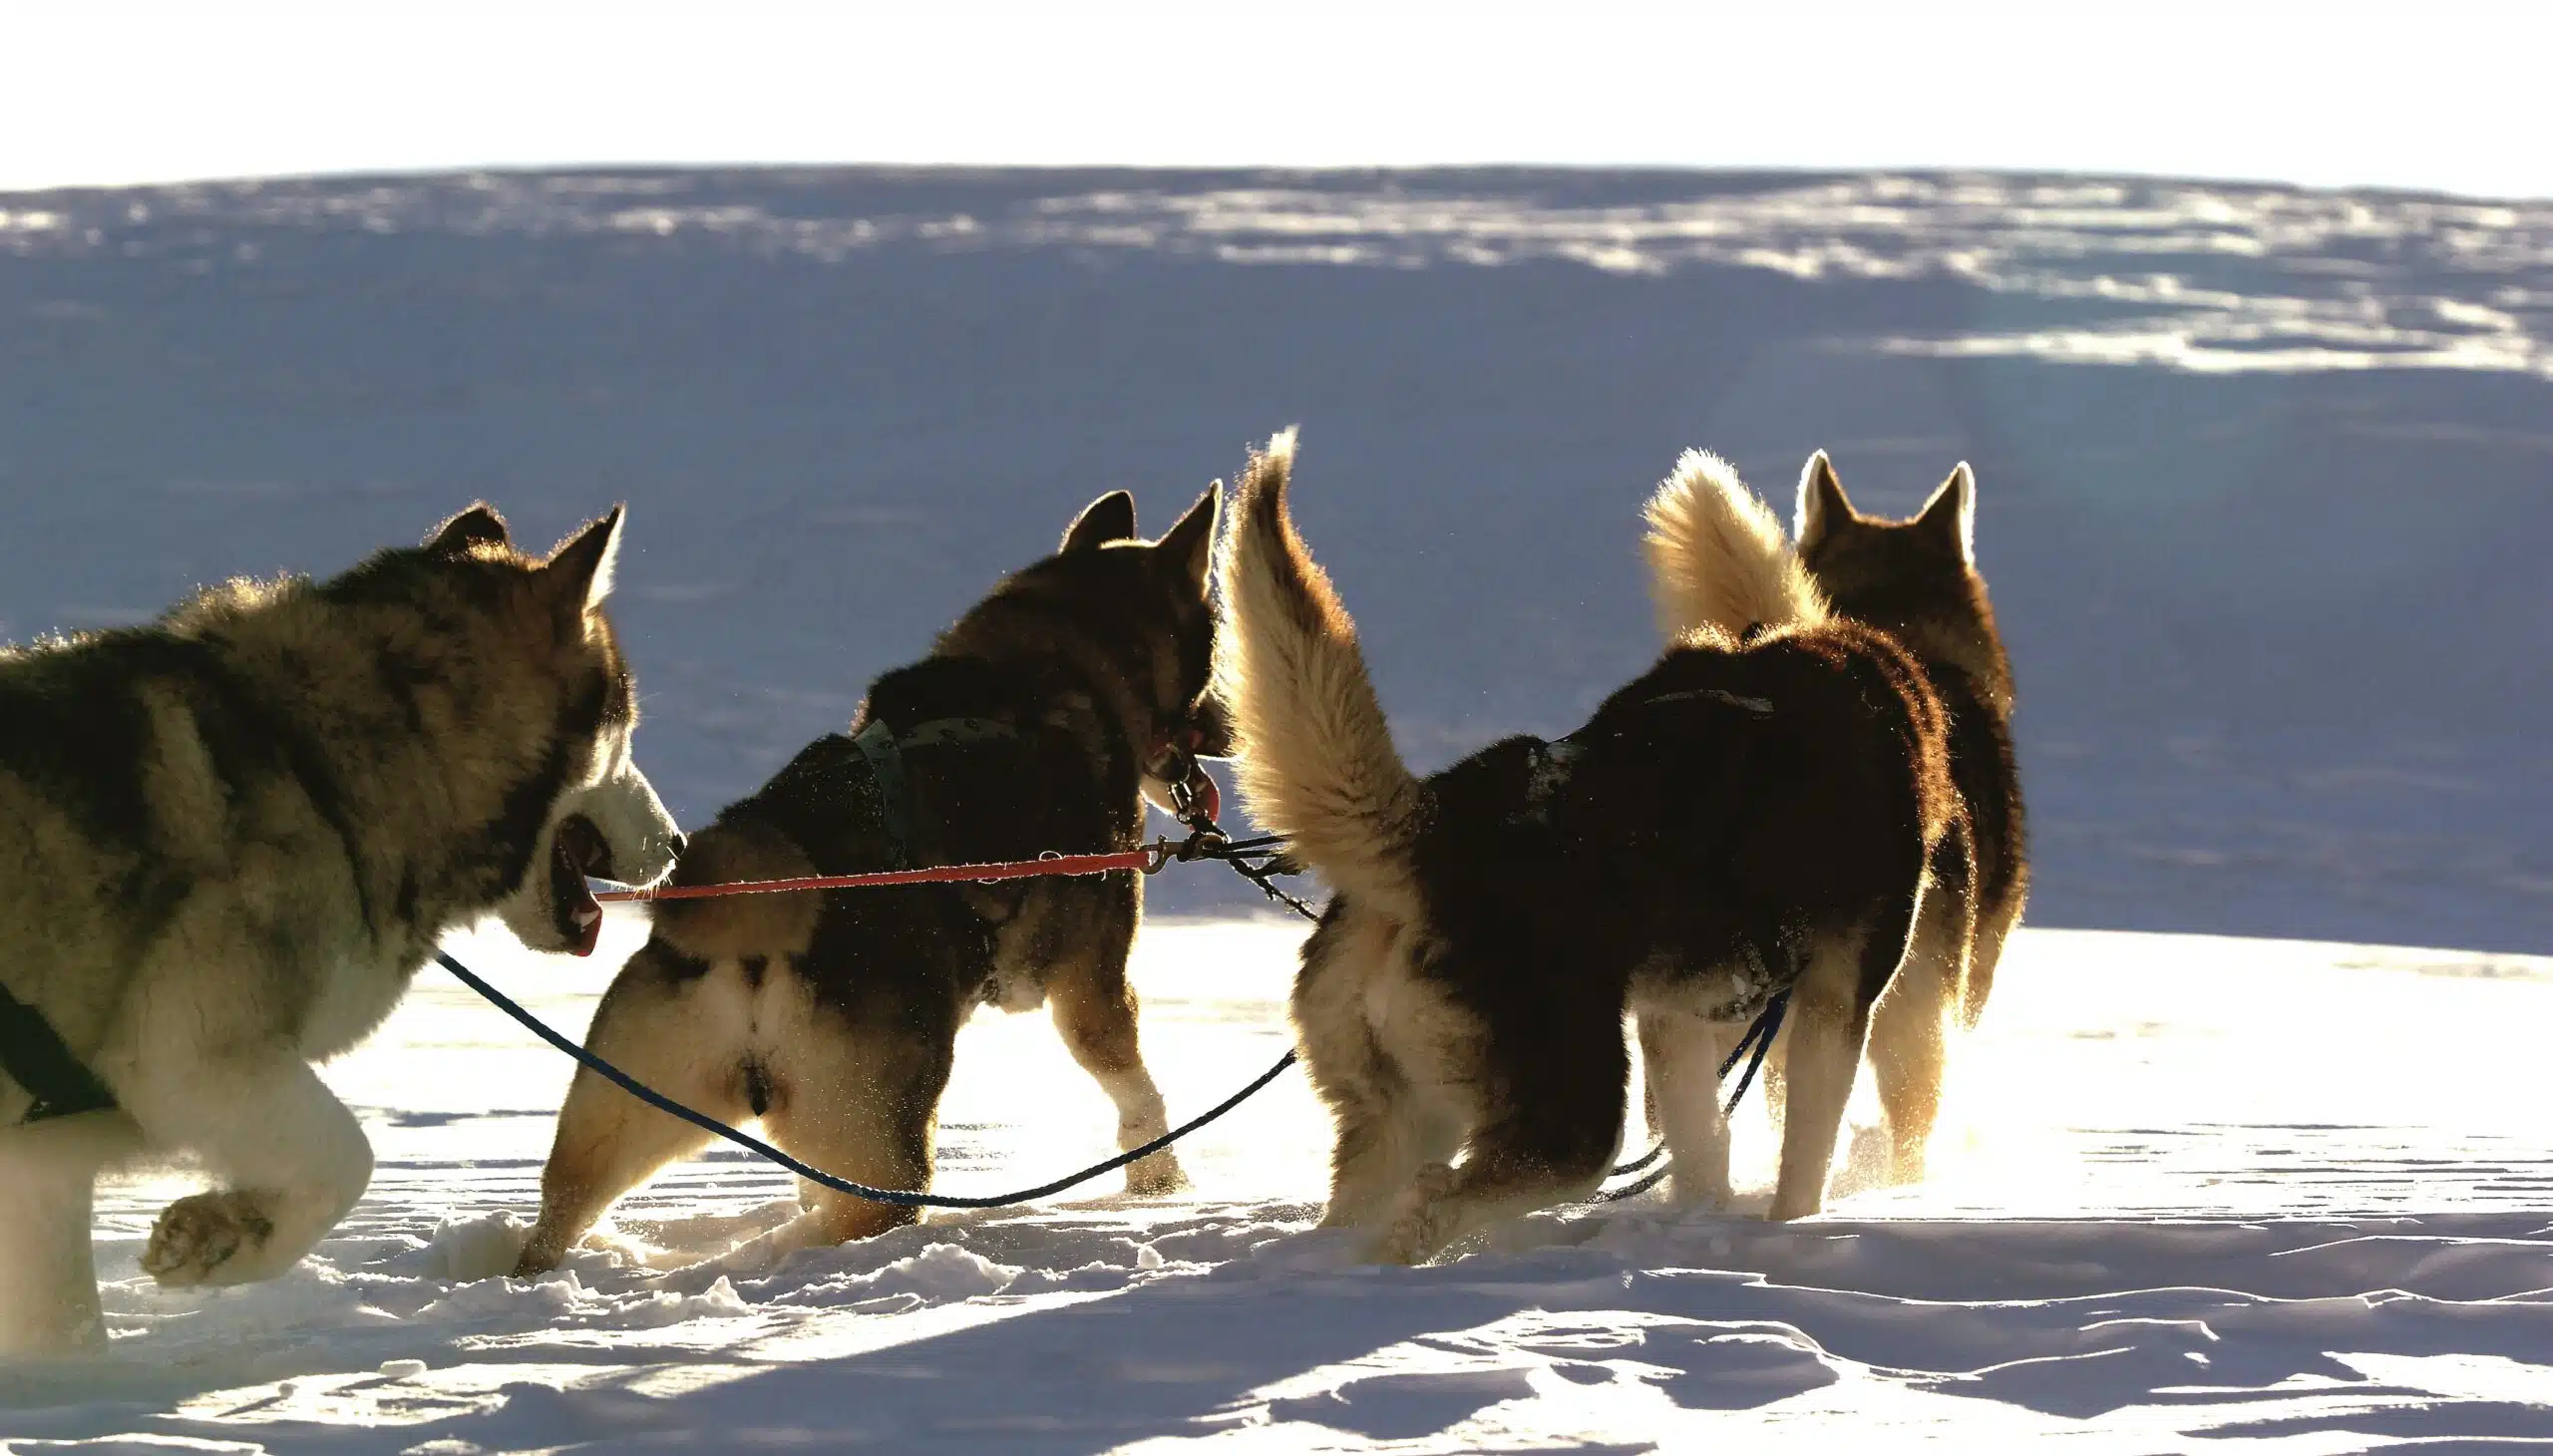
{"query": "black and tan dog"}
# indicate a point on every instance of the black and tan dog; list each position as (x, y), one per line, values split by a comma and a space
(1917, 581)
(1041, 721)
(1751, 816)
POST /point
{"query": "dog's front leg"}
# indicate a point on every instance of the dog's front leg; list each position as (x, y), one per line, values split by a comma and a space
(48, 1275)
(290, 1158)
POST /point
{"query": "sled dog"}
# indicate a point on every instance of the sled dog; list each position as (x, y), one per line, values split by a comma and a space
(1917, 581)
(231, 839)
(1041, 721)
(1752, 815)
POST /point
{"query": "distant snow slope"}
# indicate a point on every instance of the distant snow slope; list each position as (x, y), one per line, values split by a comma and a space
(2266, 474)
(2285, 1194)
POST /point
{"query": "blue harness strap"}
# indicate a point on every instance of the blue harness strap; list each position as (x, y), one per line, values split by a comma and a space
(34, 1056)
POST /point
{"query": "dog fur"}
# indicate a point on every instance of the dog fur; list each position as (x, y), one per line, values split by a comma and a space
(1753, 813)
(1917, 581)
(230, 840)
(833, 1016)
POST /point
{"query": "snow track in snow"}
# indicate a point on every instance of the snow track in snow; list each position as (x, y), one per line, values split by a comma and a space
(2275, 1193)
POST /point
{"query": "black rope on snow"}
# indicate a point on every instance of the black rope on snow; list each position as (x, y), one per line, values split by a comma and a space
(757, 1146)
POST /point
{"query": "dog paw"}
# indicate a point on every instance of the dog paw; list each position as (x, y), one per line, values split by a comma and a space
(1785, 1211)
(1412, 1239)
(1156, 1176)
(200, 1239)
(1421, 1226)
(541, 1252)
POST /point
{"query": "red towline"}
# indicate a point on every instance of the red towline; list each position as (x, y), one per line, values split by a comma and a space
(1147, 859)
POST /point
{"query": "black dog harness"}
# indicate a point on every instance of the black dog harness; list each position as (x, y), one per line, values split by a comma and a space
(884, 749)
(881, 749)
(34, 1056)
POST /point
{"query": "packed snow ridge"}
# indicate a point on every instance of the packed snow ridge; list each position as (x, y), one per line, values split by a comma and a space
(2205, 278)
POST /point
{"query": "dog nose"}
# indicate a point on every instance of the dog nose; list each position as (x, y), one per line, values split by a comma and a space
(679, 841)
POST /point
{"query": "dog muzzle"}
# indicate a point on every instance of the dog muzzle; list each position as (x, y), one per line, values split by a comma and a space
(1194, 796)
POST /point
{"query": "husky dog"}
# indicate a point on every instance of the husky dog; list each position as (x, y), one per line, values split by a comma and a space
(231, 839)
(1917, 581)
(1752, 815)
(1041, 721)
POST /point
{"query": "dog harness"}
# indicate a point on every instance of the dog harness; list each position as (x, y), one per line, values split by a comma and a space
(883, 747)
(34, 1056)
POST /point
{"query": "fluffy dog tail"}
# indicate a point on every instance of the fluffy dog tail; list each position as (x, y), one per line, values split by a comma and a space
(1315, 755)
(1717, 558)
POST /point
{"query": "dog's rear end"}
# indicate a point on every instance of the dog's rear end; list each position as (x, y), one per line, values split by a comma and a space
(711, 1013)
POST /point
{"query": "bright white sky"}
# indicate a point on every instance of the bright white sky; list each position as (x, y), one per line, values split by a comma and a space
(2433, 95)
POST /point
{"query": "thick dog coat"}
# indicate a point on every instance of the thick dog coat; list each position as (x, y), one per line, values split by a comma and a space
(228, 841)
(1917, 581)
(1752, 815)
(1042, 721)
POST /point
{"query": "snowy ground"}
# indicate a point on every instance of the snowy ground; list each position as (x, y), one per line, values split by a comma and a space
(2286, 1197)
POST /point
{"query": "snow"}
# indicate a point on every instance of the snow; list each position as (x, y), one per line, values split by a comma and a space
(2283, 1193)
(2263, 482)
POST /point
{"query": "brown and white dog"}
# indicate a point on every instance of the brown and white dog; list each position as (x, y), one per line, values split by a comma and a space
(1917, 581)
(1042, 720)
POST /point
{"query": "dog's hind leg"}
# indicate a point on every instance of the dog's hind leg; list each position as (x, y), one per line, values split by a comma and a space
(48, 1273)
(861, 1103)
(1561, 1093)
(683, 1037)
(1829, 1019)
(1775, 1077)
(1385, 1127)
(1909, 1030)
(1094, 1011)
(1682, 1052)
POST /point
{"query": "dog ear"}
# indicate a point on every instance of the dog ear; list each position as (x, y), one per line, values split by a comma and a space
(476, 526)
(1823, 505)
(1110, 518)
(1189, 547)
(578, 574)
(1948, 519)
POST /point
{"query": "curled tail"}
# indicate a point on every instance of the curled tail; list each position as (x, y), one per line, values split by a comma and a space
(1314, 754)
(1717, 557)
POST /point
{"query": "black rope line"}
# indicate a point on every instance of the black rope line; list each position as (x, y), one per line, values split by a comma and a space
(757, 1146)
